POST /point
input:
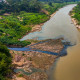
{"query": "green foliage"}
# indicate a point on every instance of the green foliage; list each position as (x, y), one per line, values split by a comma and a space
(52, 7)
(2, 77)
(5, 62)
(20, 5)
(4, 49)
(21, 18)
(59, 1)
(76, 13)
(33, 18)
(15, 43)
(23, 54)
(20, 75)
(13, 27)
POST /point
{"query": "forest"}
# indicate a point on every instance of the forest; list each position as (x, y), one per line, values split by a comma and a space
(60, 1)
(16, 20)
(5, 62)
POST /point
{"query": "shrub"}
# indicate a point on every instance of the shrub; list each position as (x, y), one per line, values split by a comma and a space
(5, 62)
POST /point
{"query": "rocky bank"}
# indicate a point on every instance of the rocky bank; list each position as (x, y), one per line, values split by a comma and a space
(32, 65)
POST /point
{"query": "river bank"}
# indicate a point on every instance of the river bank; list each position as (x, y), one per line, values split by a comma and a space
(33, 65)
(74, 20)
(38, 27)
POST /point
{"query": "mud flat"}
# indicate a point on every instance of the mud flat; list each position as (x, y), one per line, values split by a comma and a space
(33, 65)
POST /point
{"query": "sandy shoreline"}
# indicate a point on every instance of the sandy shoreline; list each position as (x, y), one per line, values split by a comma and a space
(38, 27)
(75, 22)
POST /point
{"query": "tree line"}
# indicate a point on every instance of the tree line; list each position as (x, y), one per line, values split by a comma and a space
(76, 12)
(25, 5)
(5, 62)
(59, 1)
(20, 5)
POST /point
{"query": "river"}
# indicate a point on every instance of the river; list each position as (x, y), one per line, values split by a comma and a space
(60, 25)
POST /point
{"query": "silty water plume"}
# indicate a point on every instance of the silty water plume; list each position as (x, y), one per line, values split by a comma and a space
(60, 25)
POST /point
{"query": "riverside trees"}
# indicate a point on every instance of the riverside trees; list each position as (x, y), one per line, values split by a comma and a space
(5, 62)
(20, 5)
(60, 1)
(76, 12)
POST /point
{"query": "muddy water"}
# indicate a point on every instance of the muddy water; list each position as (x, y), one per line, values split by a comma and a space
(68, 67)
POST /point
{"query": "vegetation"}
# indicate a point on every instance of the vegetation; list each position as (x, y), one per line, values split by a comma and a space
(59, 1)
(20, 75)
(52, 7)
(34, 6)
(13, 27)
(20, 5)
(19, 18)
(5, 62)
(76, 12)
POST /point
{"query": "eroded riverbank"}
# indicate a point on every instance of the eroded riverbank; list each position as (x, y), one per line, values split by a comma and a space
(34, 65)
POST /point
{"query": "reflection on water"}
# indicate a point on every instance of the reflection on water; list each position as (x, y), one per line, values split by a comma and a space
(68, 67)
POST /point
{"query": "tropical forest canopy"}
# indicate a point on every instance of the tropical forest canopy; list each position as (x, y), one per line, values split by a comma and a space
(5, 62)
(21, 15)
(26, 5)
(59, 1)
(17, 18)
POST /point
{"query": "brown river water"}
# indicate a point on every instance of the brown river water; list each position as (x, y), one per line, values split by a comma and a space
(60, 25)
(68, 67)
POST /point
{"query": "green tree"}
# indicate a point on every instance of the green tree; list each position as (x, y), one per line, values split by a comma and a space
(5, 62)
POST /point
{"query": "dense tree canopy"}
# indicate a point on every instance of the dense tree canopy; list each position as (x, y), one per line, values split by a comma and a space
(22, 15)
(21, 5)
(60, 0)
(25, 5)
(17, 6)
(5, 62)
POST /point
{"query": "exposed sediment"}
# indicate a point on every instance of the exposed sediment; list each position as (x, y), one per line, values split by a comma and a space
(34, 63)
